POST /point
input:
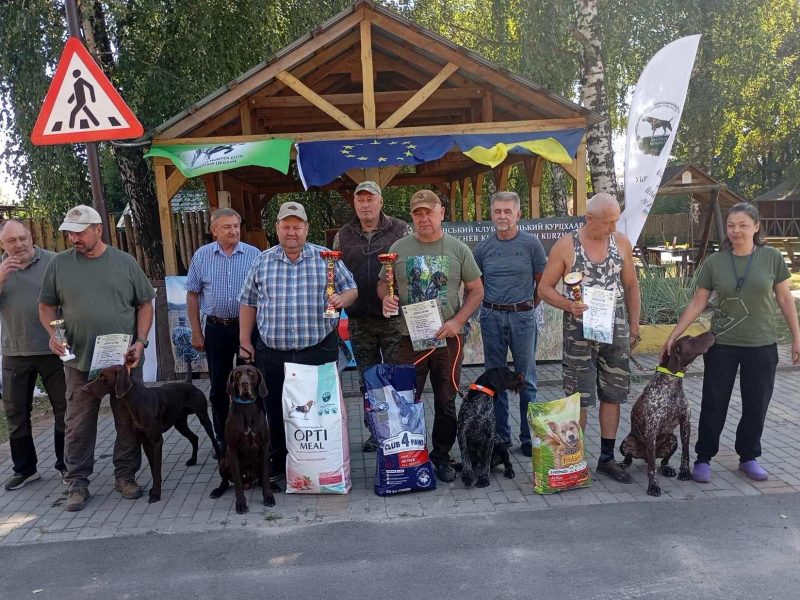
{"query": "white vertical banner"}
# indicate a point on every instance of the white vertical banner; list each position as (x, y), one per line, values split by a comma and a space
(653, 121)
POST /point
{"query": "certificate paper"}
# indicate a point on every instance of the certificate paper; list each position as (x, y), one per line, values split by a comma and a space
(598, 321)
(109, 350)
(423, 320)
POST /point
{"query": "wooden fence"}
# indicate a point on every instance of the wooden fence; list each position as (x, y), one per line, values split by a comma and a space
(667, 227)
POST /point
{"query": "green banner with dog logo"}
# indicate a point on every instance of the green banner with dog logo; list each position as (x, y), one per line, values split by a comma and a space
(194, 160)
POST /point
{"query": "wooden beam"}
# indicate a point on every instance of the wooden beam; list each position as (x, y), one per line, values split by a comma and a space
(465, 199)
(454, 129)
(580, 179)
(678, 190)
(387, 174)
(211, 191)
(477, 190)
(245, 118)
(165, 219)
(421, 96)
(500, 174)
(487, 107)
(373, 174)
(174, 183)
(443, 95)
(367, 75)
(317, 100)
(453, 195)
(534, 168)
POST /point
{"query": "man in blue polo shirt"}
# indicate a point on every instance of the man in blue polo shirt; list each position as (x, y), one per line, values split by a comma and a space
(512, 263)
(213, 284)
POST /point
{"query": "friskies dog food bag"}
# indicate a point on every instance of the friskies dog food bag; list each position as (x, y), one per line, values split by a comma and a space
(558, 460)
(316, 431)
(398, 423)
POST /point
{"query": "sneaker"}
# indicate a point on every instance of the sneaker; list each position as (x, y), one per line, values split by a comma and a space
(753, 470)
(77, 499)
(614, 470)
(371, 445)
(445, 472)
(701, 472)
(129, 489)
(17, 480)
(526, 449)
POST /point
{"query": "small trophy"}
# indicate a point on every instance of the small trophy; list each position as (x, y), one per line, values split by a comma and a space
(573, 282)
(388, 260)
(331, 256)
(60, 334)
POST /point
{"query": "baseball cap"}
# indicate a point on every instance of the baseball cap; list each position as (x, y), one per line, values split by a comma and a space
(368, 186)
(79, 218)
(425, 199)
(292, 209)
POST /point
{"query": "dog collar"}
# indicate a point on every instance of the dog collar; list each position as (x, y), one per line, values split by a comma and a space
(480, 388)
(239, 400)
(668, 372)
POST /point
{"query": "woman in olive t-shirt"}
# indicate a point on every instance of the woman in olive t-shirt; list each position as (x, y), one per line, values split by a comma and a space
(748, 278)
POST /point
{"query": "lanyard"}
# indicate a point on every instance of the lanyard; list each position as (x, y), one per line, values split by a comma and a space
(740, 280)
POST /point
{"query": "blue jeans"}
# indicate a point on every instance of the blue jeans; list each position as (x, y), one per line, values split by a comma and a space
(516, 331)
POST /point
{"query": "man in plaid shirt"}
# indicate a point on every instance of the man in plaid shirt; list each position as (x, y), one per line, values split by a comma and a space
(284, 296)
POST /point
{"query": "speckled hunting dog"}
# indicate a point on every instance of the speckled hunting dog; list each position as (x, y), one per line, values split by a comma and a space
(476, 426)
(660, 409)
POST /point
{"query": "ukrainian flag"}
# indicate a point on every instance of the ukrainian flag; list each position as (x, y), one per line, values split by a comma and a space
(492, 149)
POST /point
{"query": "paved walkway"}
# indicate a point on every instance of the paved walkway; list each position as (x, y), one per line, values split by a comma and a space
(34, 513)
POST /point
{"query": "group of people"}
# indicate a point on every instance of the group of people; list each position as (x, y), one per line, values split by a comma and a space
(269, 307)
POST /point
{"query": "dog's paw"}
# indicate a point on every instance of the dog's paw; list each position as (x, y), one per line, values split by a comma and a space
(509, 473)
(218, 454)
(191, 462)
(654, 490)
(269, 500)
(483, 481)
(154, 497)
(216, 493)
(467, 479)
(241, 506)
(667, 471)
(685, 475)
(627, 462)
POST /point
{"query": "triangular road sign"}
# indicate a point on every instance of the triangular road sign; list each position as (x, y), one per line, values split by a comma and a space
(82, 105)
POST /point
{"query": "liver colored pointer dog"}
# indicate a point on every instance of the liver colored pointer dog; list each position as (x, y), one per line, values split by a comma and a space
(154, 411)
(660, 409)
(476, 422)
(246, 459)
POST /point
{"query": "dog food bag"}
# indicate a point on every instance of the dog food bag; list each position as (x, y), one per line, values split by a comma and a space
(558, 460)
(398, 423)
(315, 422)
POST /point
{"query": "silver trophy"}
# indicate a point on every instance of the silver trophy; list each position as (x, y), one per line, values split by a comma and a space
(60, 333)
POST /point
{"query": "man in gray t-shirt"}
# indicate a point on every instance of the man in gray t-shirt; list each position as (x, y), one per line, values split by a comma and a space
(512, 262)
(26, 355)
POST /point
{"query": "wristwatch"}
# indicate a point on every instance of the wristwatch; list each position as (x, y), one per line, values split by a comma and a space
(142, 341)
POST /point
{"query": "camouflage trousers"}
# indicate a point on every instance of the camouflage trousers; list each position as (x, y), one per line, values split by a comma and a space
(374, 340)
(595, 369)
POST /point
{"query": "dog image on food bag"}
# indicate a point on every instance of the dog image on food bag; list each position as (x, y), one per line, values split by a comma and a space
(558, 459)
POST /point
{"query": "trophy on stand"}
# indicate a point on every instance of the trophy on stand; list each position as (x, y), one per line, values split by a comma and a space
(388, 260)
(60, 333)
(573, 282)
(331, 256)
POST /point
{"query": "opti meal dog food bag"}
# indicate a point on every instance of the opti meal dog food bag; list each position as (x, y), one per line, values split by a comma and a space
(315, 422)
(398, 423)
(558, 460)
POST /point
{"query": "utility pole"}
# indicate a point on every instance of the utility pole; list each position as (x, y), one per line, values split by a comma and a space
(98, 195)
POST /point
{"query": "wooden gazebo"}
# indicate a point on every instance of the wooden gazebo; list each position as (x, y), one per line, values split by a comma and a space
(368, 73)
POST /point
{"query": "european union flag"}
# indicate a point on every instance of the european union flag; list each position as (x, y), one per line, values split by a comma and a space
(320, 163)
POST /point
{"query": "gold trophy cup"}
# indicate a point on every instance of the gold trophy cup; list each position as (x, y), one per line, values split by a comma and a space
(60, 333)
(388, 260)
(331, 256)
(573, 282)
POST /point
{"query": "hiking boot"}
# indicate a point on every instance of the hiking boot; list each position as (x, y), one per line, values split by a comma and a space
(17, 480)
(371, 445)
(77, 499)
(614, 470)
(444, 472)
(129, 489)
(526, 449)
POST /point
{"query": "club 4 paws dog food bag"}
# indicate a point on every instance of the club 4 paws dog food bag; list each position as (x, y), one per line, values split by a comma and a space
(558, 460)
(398, 423)
(315, 423)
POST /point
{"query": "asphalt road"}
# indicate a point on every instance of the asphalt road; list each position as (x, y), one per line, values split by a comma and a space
(726, 549)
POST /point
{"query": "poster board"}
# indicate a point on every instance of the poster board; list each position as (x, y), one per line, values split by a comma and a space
(180, 331)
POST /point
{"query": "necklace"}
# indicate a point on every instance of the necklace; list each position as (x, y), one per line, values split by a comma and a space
(740, 280)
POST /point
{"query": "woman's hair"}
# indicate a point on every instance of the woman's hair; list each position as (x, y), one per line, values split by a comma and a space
(751, 211)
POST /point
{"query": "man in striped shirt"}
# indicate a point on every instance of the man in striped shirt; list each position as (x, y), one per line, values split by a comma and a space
(213, 284)
(284, 296)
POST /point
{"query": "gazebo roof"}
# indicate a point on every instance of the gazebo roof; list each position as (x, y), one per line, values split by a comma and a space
(689, 179)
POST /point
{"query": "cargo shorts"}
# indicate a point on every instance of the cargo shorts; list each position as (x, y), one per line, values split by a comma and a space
(595, 369)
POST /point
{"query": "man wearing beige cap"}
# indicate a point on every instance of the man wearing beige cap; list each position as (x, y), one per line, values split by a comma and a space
(432, 265)
(367, 235)
(284, 297)
(100, 290)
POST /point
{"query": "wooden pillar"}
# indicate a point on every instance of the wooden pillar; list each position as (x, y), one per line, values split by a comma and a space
(211, 191)
(533, 173)
(453, 196)
(367, 76)
(245, 117)
(477, 190)
(465, 199)
(165, 219)
(718, 220)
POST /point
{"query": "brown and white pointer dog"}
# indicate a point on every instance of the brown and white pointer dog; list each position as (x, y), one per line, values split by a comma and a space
(660, 409)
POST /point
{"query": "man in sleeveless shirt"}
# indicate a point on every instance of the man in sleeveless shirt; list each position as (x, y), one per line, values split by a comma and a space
(596, 369)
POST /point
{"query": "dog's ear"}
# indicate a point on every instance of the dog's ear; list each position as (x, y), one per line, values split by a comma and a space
(676, 357)
(576, 424)
(231, 385)
(124, 383)
(553, 426)
(262, 385)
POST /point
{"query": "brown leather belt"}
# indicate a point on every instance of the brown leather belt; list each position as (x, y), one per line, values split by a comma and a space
(518, 307)
(219, 321)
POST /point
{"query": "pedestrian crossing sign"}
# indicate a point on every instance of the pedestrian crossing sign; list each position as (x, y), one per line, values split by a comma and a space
(82, 104)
